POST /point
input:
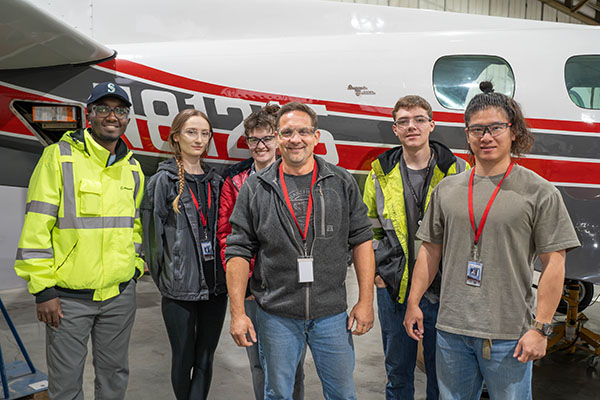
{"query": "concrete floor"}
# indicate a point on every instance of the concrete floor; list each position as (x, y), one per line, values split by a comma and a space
(558, 376)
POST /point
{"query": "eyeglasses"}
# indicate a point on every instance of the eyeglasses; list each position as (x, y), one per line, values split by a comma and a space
(254, 141)
(495, 129)
(303, 132)
(193, 133)
(104, 111)
(405, 122)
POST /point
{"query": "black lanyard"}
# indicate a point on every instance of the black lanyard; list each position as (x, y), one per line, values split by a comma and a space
(420, 204)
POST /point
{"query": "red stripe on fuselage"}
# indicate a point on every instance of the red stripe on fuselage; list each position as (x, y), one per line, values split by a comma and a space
(359, 158)
(156, 75)
(351, 156)
(560, 171)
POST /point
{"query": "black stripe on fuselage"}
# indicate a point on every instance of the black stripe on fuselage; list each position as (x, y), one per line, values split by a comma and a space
(75, 84)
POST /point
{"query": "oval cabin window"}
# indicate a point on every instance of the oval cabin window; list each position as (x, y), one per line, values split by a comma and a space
(582, 77)
(456, 79)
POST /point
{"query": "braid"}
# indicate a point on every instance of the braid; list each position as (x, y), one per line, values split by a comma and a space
(181, 183)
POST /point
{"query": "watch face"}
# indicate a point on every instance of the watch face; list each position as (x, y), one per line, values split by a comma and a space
(547, 329)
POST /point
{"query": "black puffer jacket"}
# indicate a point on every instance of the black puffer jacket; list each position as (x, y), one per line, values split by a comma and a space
(172, 241)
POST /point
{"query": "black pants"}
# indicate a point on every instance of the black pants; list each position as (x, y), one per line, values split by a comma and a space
(194, 328)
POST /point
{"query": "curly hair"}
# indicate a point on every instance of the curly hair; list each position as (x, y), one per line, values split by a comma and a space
(178, 123)
(523, 136)
(264, 118)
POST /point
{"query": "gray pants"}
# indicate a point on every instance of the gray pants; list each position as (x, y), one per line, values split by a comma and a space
(109, 322)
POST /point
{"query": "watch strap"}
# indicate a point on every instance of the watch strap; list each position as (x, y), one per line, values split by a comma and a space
(542, 327)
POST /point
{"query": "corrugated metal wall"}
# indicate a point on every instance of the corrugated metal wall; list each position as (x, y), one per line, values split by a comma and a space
(526, 9)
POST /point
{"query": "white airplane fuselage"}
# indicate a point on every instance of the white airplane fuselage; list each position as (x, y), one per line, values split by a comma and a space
(349, 62)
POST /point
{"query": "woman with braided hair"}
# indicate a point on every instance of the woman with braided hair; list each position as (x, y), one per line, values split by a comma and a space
(179, 215)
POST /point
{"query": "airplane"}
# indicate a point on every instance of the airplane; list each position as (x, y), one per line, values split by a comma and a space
(350, 62)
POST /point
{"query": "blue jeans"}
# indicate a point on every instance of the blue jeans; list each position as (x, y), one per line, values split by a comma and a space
(256, 359)
(283, 340)
(401, 351)
(462, 369)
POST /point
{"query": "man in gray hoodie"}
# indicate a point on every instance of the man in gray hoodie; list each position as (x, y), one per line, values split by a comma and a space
(299, 217)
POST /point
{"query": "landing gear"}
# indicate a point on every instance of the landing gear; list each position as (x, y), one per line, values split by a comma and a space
(593, 362)
(571, 333)
(586, 294)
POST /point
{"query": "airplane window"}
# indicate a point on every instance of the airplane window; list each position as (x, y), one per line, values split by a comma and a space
(582, 77)
(456, 79)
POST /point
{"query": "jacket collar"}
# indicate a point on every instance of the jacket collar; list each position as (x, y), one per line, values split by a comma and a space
(239, 167)
(83, 140)
(170, 166)
(444, 157)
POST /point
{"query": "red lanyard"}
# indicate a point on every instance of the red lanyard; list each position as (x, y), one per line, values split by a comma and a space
(310, 200)
(198, 206)
(478, 231)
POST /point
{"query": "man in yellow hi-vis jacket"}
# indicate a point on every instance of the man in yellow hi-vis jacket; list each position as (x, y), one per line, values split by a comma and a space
(397, 193)
(80, 245)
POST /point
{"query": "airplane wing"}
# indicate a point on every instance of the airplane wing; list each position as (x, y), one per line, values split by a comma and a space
(32, 38)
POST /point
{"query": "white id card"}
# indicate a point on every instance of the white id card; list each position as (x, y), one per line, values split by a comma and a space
(474, 270)
(305, 269)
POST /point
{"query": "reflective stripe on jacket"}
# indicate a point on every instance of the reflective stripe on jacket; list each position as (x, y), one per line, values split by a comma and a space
(384, 197)
(82, 230)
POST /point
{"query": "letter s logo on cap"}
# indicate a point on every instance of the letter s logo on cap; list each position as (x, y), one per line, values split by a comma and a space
(111, 87)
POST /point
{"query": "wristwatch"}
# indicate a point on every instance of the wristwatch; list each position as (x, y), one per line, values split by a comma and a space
(545, 329)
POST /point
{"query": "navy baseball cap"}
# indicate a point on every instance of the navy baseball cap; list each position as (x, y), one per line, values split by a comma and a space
(108, 89)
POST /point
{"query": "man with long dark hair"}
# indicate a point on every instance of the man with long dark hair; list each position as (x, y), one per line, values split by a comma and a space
(489, 225)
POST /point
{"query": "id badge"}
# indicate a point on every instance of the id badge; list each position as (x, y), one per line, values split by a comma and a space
(207, 250)
(474, 270)
(305, 269)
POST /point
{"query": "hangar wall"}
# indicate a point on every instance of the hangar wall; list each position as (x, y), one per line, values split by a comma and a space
(526, 9)
(11, 198)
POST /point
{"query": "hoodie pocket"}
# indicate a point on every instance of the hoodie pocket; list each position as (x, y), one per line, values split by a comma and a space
(91, 197)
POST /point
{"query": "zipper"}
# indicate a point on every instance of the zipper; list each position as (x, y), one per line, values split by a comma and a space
(307, 291)
(322, 211)
(312, 247)
(301, 251)
(322, 202)
(293, 228)
(307, 311)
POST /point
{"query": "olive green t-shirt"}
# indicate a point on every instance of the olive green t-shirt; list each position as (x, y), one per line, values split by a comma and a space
(528, 217)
